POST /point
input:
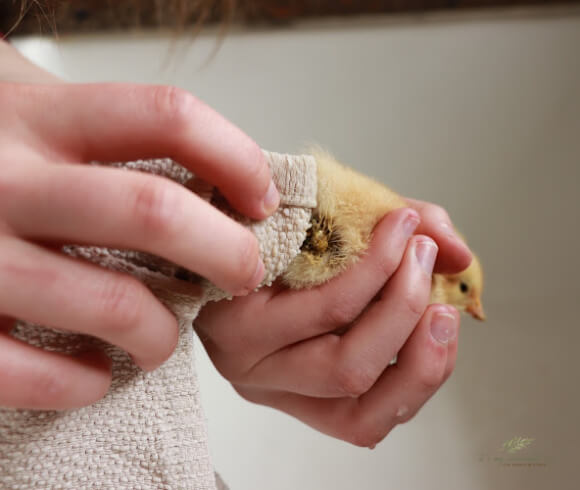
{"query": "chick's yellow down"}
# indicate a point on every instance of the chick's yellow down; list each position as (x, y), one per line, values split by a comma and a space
(461, 290)
(349, 205)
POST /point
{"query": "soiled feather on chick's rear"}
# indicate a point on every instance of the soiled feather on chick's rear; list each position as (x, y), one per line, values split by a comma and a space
(349, 205)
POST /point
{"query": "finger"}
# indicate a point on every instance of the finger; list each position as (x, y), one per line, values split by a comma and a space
(113, 122)
(341, 300)
(400, 392)
(454, 255)
(50, 289)
(422, 367)
(112, 207)
(36, 379)
(297, 315)
(334, 366)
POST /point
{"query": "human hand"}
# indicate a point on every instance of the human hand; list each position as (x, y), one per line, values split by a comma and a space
(280, 347)
(48, 198)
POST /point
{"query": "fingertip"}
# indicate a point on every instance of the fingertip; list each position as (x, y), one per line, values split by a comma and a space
(258, 208)
(463, 255)
(454, 257)
(464, 258)
(96, 375)
(146, 366)
(152, 363)
(258, 276)
(251, 189)
(396, 227)
(271, 200)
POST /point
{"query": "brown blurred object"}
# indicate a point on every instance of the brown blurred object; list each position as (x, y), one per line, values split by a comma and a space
(110, 15)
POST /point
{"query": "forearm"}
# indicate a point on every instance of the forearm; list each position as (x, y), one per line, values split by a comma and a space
(16, 68)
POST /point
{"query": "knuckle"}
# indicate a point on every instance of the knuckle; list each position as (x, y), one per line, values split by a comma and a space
(338, 315)
(155, 208)
(388, 264)
(172, 106)
(121, 302)
(403, 413)
(366, 438)
(362, 429)
(430, 376)
(406, 417)
(353, 380)
(414, 302)
(364, 434)
(340, 312)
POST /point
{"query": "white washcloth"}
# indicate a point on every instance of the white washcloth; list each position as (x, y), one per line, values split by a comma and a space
(149, 432)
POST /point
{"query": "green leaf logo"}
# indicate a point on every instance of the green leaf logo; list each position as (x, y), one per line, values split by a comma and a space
(516, 444)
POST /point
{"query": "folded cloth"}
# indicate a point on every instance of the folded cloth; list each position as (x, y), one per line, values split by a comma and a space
(149, 432)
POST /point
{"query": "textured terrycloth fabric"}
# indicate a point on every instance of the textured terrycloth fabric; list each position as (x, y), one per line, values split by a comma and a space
(149, 432)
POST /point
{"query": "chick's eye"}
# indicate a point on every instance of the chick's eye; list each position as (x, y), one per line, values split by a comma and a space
(463, 287)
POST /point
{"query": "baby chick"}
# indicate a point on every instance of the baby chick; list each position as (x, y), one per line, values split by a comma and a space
(349, 206)
(461, 290)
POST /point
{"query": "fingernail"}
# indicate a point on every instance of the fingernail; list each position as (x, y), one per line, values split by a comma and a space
(258, 274)
(443, 327)
(410, 223)
(426, 252)
(271, 199)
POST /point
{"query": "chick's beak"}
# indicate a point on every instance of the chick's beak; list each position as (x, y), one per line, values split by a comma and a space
(475, 309)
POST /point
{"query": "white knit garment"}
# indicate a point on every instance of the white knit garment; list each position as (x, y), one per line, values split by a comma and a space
(149, 432)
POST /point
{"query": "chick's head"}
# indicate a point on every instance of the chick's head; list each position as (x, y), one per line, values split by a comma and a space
(462, 290)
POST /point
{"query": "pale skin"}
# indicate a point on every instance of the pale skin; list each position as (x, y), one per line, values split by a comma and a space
(275, 346)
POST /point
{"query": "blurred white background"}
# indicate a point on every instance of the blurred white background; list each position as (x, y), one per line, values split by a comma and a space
(479, 112)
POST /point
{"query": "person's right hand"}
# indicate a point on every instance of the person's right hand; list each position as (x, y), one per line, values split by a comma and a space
(48, 198)
(322, 355)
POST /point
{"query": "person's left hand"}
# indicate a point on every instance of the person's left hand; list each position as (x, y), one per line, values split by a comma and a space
(279, 347)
